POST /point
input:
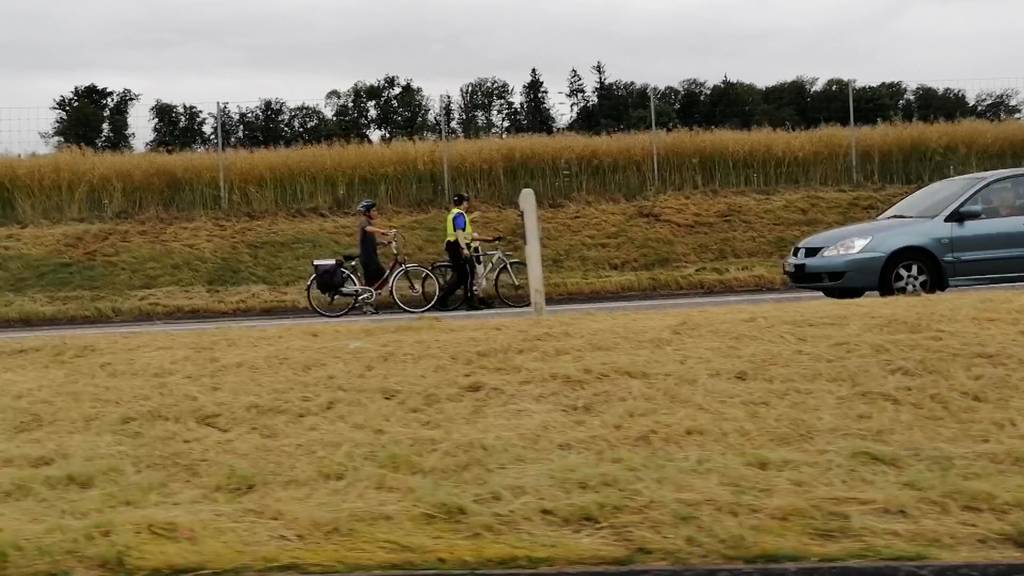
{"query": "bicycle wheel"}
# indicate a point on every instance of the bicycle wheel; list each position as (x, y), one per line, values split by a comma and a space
(414, 289)
(512, 284)
(445, 273)
(332, 304)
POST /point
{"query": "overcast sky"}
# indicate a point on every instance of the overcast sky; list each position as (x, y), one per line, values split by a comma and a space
(204, 50)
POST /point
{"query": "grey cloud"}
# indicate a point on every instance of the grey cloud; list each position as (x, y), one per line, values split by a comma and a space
(202, 50)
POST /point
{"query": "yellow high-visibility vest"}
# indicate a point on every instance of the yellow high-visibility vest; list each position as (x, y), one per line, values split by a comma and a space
(451, 237)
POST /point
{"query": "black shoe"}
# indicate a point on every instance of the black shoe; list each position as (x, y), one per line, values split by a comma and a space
(473, 305)
(485, 303)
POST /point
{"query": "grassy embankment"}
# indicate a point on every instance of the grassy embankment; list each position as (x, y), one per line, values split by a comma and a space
(818, 431)
(160, 267)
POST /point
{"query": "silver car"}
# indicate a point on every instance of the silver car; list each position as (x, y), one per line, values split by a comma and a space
(962, 231)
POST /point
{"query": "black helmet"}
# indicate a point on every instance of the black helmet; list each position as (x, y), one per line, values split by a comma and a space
(366, 205)
(460, 199)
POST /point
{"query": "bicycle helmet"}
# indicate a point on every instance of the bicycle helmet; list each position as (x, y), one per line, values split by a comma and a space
(365, 206)
(460, 199)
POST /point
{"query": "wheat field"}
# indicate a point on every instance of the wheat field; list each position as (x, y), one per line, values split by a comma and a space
(565, 168)
(877, 429)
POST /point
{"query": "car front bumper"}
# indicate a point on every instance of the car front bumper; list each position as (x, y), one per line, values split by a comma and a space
(855, 271)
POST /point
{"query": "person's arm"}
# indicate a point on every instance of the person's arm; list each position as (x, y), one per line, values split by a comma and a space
(480, 238)
(375, 231)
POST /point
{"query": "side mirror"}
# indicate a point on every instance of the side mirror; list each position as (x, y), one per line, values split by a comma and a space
(968, 213)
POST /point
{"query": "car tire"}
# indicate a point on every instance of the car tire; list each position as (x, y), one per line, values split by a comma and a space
(843, 294)
(909, 272)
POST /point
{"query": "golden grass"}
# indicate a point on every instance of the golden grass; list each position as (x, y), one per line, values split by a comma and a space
(878, 429)
(158, 267)
(567, 168)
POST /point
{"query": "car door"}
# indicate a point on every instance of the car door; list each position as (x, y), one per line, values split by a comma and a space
(991, 248)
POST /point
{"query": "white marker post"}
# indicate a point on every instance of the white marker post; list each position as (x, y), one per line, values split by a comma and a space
(528, 207)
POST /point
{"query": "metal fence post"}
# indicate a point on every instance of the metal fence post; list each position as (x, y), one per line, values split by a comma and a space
(853, 135)
(220, 161)
(654, 142)
(444, 147)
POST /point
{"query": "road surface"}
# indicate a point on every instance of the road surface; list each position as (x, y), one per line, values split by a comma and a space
(356, 316)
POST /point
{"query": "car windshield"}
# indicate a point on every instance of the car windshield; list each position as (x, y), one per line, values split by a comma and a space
(930, 201)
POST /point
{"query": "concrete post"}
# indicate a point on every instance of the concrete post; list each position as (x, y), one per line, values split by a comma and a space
(528, 207)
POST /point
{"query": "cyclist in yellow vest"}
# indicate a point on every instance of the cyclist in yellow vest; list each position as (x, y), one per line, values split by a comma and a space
(458, 240)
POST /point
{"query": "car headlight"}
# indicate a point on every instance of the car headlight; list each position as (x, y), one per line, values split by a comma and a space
(848, 246)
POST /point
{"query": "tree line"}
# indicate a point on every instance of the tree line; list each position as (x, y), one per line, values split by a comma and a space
(391, 108)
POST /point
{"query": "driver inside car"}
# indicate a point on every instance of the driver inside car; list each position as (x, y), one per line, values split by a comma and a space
(1004, 203)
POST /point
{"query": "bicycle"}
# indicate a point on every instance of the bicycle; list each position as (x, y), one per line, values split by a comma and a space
(511, 282)
(334, 289)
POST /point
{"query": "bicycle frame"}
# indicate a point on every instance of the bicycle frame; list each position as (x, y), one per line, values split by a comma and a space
(398, 263)
(497, 261)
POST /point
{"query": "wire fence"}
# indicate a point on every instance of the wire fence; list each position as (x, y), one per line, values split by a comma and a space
(23, 129)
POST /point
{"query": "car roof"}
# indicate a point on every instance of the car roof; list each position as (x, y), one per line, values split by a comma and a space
(991, 174)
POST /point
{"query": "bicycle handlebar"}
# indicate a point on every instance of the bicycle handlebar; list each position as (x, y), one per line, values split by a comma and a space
(394, 242)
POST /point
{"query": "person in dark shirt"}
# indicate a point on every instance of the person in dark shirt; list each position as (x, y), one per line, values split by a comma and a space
(373, 271)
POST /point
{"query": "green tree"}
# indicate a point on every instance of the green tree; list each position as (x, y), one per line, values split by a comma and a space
(600, 111)
(446, 114)
(734, 104)
(118, 135)
(879, 102)
(691, 103)
(600, 120)
(351, 113)
(997, 105)
(177, 127)
(412, 113)
(166, 123)
(536, 114)
(390, 107)
(192, 135)
(486, 108)
(264, 125)
(788, 104)
(93, 116)
(929, 104)
(830, 103)
(307, 125)
(576, 92)
(231, 130)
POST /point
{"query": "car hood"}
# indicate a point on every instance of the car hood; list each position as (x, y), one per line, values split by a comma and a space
(869, 228)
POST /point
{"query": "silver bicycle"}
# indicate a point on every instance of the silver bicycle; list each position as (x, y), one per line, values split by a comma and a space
(508, 276)
(334, 288)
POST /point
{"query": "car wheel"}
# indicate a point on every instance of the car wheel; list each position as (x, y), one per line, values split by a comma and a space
(909, 273)
(843, 294)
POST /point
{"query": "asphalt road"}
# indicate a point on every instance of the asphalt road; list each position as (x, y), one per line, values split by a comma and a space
(309, 319)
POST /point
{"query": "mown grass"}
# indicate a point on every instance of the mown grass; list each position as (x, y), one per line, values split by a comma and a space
(878, 429)
(164, 267)
(76, 186)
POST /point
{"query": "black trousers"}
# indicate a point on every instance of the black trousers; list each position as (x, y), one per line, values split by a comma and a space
(373, 271)
(465, 273)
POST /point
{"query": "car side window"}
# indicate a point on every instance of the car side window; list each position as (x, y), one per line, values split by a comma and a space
(1001, 199)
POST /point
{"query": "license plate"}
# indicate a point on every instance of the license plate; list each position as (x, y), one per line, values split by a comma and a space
(788, 267)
